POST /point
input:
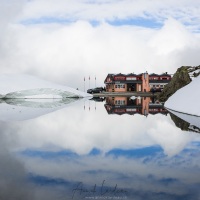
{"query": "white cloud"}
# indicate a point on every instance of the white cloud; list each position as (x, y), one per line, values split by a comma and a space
(9, 10)
(112, 9)
(172, 37)
(66, 53)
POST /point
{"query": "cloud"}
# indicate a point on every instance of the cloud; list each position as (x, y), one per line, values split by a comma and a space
(59, 41)
(172, 37)
(111, 9)
(9, 10)
(68, 53)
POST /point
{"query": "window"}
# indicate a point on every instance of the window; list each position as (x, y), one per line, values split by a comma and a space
(131, 110)
(130, 78)
(120, 102)
(164, 78)
(120, 86)
(120, 78)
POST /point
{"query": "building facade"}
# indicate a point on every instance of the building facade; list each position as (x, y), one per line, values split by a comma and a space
(143, 82)
(159, 81)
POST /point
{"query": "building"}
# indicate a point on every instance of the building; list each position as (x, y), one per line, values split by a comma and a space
(159, 81)
(143, 82)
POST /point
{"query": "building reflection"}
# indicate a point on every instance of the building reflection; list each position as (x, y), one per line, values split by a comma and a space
(131, 106)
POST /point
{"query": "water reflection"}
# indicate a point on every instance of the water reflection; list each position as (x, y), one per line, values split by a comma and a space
(24, 109)
(82, 152)
(127, 105)
(13, 175)
(148, 105)
(186, 122)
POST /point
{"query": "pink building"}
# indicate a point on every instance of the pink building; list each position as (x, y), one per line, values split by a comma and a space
(135, 82)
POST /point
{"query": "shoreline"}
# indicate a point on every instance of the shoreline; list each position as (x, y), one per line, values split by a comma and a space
(125, 94)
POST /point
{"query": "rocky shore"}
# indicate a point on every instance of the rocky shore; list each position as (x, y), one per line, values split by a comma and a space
(181, 78)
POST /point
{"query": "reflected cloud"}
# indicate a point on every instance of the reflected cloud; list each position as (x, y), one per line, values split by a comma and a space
(13, 179)
(149, 172)
(86, 125)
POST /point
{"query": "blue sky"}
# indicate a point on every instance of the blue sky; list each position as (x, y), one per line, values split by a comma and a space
(124, 12)
(141, 22)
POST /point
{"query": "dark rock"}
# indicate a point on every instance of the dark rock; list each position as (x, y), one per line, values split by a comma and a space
(184, 125)
(180, 79)
(180, 123)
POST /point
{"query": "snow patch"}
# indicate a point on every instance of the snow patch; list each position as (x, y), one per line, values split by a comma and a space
(26, 86)
(186, 100)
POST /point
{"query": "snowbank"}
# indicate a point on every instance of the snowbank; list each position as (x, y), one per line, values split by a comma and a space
(26, 86)
(186, 99)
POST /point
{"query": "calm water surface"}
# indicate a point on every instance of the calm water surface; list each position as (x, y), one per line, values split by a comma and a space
(85, 149)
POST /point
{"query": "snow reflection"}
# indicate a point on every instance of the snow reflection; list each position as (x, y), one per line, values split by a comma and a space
(23, 109)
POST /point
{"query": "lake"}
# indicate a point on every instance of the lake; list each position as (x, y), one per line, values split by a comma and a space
(102, 148)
